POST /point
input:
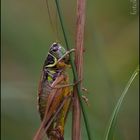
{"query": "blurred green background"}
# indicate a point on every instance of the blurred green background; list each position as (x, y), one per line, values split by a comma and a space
(111, 43)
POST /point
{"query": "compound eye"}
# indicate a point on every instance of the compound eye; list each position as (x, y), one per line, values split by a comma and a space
(50, 60)
(55, 47)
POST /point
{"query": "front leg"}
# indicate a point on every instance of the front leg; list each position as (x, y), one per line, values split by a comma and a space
(68, 52)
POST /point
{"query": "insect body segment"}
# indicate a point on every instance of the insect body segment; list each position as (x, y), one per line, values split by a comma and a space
(54, 74)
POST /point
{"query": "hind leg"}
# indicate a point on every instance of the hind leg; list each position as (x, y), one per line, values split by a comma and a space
(61, 119)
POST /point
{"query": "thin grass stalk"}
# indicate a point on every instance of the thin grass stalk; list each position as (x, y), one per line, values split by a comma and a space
(74, 72)
(80, 23)
(112, 122)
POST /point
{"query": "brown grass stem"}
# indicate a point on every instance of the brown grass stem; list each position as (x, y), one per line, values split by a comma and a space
(80, 23)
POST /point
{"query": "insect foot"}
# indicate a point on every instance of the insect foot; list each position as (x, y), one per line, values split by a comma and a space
(84, 90)
(85, 99)
(56, 134)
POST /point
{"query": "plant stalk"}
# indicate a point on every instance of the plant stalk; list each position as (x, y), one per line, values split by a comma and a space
(73, 70)
(80, 23)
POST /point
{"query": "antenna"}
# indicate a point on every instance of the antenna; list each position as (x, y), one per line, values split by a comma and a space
(53, 25)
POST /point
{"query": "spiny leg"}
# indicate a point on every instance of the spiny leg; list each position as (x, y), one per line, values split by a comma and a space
(55, 134)
(64, 85)
(60, 122)
(68, 52)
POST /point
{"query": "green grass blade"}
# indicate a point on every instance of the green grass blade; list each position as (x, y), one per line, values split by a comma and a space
(74, 71)
(112, 122)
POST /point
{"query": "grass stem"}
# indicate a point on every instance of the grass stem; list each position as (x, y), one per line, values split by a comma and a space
(112, 122)
(74, 71)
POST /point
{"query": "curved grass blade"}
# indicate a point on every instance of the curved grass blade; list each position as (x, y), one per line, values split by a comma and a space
(112, 122)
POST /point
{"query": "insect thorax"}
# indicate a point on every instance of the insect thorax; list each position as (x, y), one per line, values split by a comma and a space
(51, 74)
